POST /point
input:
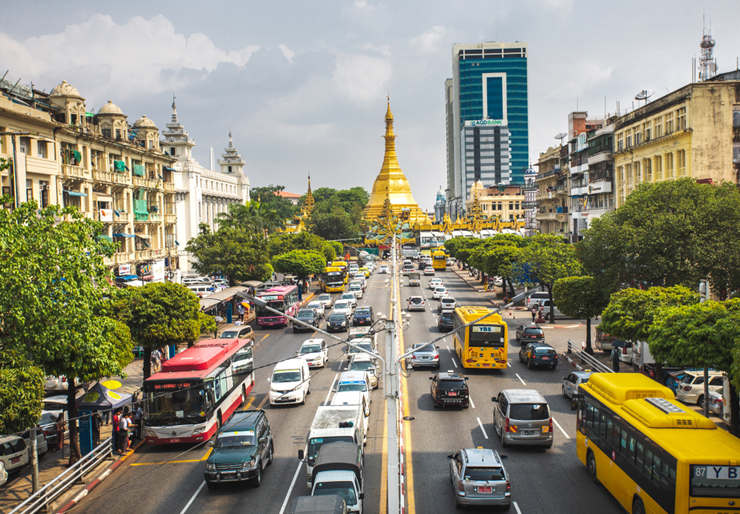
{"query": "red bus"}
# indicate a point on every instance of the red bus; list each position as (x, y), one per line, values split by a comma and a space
(282, 298)
(197, 390)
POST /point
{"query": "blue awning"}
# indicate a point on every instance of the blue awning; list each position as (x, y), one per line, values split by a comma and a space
(74, 193)
(168, 168)
(117, 213)
(123, 235)
(178, 244)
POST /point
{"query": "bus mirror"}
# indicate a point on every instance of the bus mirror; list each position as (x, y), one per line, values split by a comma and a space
(301, 455)
(573, 404)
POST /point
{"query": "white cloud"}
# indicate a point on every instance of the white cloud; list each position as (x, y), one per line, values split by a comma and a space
(143, 56)
(362, 4)
(590, 73)
(361, 77)
(287, 53)
(428, 41)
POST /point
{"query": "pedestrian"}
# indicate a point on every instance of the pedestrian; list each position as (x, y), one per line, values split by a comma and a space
(155, 360)
(123, 425)
(615, 360)
(138, 415)
(116, 439)
(534, 313)
(59, 427)
(96, 420)
(240, 311)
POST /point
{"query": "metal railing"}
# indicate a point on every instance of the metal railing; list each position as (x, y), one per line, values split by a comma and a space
(57, 486)
(587, 360)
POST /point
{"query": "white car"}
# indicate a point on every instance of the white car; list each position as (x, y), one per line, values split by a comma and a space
(356, 289)
(325, 300)
(363, 362)
(344, 307)
(290, 382)
(361, 280)
(349, 297)
(383, 269)
(317, 306)
(439, 292)
(447, 303)
(314, 352)
(349, 384)
(435, 283)
(3, 473)
(13, 453)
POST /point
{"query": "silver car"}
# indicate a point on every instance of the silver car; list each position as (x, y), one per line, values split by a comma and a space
(522, 417)
(325, 299)
(317, 306)
(428, 356)
(363, 362)
(572, 381)
(416, 303)
(478, 477)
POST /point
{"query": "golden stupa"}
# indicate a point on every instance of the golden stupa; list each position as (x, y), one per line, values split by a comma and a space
(391, 185)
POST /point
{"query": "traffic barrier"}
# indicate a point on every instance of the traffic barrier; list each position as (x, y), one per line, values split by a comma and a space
(588, 361)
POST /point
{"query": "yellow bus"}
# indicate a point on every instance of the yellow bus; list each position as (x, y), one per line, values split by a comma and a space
(439, 260)
(652, 453)
(481, 345)
(343, 266)
(332, 280)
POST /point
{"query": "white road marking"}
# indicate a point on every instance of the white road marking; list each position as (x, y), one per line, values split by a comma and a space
(508, 363)
(482, 429)
(193, 498)
(471, 401)
(517, 508)
(326, 402)
(448, 347)
(561, 428)
(520, 379)
(290, 489)
(453, 362)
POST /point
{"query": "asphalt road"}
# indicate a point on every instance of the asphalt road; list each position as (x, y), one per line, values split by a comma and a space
(169, 479)
(552, 481)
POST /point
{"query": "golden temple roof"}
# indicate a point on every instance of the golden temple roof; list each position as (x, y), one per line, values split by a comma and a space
(391, 183)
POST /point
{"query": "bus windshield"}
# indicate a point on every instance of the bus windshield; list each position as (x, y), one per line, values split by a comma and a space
(274, 304)
(175, 404)
(487, 335)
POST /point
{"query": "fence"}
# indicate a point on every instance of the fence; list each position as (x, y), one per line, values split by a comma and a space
(588, 361)
(51, 491)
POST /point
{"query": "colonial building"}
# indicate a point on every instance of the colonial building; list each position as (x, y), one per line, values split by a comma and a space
(691, 132)
(598, 195)
(505, 203)
(112, 172)
(553, 185)
(530, 189)
(201, 194)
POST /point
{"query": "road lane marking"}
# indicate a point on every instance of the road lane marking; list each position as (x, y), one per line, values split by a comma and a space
(453, 362)
(290, 489)
(208, 453)
(384, 466)
(264, 337)
(520, 379)
(517, 508)
(448, 347)
(264, 400)
(326, 402)
(193, 498)
(482, 429)
(249, 403)
(471, 401)
(561, 428)
(508, 363)
(409, 455)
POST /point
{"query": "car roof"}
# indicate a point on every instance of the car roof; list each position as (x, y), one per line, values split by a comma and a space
(416, 296)
(524, 396)
(582, 374)
(349, 376)
(242, 419)
(482, 457)
(311, 342)
(450, 374)
(361, 357)
(541, 345)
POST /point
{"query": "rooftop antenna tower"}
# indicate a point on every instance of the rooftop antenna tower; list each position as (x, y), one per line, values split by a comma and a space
(707, 62)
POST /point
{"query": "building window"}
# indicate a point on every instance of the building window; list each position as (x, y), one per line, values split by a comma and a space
(647, 129)
(29, 189)
(736, 152)
(638, 176)
(620, 174)
(658, 132)
(647, 165)
(620, 142)
(628, 141)
(681, 157)
(118, 133)
(106, 132)
(628, 172)
(658, 167)
(736, 115)
(669, 123)
(638, 135)
(681, 119)
(229, 169)
(511, 206)
(516, 206)
(44, 193)
(41, 148)
(669, 165)
(500, 206)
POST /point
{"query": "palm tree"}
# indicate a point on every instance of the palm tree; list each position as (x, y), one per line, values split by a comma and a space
(254, 217)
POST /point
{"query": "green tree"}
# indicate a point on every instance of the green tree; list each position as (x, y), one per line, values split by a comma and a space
(237, 254)
(705, 335)
(21, 391)
(338, 248)
(53, 280)
(255, 218)
(268, 195)
(545, 260)
(301, 263)
(668, 233)
(582, 298)
(284, 242)
(330, 221)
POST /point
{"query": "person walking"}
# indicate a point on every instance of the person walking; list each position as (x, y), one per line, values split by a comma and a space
(240, 311)
(123, 425)
(615, 360)
(138, 418)
(59, 427)
(96, 420)
(116, 439)
(534, 313)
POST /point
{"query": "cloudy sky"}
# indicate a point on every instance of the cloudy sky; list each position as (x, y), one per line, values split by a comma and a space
(302, 84)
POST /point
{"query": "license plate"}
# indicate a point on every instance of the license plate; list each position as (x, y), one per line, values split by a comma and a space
(228, 476)
(484, 489)
(529, 432)
(545, 358)
(176, 440)
(452, 393)
(16, 460)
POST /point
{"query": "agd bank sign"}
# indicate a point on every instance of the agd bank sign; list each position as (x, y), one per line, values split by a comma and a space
(486, 123)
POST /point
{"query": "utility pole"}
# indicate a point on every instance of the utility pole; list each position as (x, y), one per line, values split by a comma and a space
(703, 294)
(34, 461)
(392, 394)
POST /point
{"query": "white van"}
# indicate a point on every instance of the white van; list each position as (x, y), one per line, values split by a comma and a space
(201, 290)
(290, 382)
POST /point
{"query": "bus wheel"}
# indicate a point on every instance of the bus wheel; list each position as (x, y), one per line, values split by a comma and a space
(637, 506)
(591, 464)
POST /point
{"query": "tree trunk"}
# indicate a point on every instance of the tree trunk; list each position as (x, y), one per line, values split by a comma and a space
(589, 350)
(511, 288)
(147, 362)
(552, 306)
(734, 411)
(74, 436)
(482, 278)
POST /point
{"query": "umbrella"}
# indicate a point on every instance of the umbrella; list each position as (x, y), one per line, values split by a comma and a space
(111, 384)
(617, 343)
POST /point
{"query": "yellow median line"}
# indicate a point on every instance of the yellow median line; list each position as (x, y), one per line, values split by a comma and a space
(249, 403)
(174, 461)
(407, 433)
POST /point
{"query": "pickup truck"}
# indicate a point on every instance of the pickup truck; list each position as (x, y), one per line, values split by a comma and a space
(338, 470)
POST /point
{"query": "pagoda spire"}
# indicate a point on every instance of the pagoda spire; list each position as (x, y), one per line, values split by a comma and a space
(308, 203)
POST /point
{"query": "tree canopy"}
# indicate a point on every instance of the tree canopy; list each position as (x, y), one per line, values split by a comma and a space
(301, 263)
(254, 217)
(337, 214)
(267, 196)
(284, 242)
(582, 298)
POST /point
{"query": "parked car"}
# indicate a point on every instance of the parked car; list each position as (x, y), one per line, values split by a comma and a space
(363, 316)
(445, 322)
(538, 354)
(479, 478)
(604, 341)
(309, 316)
(427, 356)
(315, 352)
(529, 333)
(691, 388)
(446, 303)
(534, 298)
(13, 453)
(337, 322)
(450, 389)
(572, 381)
(3, 473)
(416, 303)
(716, 403)
(547, 314)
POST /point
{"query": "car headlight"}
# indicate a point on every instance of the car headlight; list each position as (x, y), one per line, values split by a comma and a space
(249, 464)
(210, 467)
(344, 323)
(199, 429)
(148, 432)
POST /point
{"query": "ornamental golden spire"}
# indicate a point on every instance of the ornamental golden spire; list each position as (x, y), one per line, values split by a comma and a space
(309, 201)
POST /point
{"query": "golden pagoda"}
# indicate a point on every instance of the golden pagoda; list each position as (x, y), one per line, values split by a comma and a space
(391, 184)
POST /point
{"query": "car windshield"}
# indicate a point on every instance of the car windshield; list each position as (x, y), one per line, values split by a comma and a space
(533, 331)
(440, 290)
(364, 346)
(175, 403)
(355, 287)
(362, 312)
(483, 474)
(452, 383)
(315, 443)
(344, 489)
(427, 349)
(304, 313)
(310, 348)
(314, 305)
(229, 334)
(416, 300)
(545, 351)
(688, 379)
(351, 386)
(324, 297)
(528, 412)
(361, 366)
(47, 418)
(337, 317)
(341, 305)
(235, 439)
(447, 316)
(286, 375)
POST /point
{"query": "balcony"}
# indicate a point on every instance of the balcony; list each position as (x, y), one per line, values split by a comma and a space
(140, 182)
(169, 187)
(102, 176)
(528, 205)
(561, 210)
(155, 217)
(74, 172)
(142, 255)
(170, 218)
(546, 216)
(121, 178)
(580, 190)
(578, 170)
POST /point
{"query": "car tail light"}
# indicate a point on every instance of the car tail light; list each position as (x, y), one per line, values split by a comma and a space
(508, 428)
(460, 487)
(548, 428)
(413, 357)
(436, 357)
(687, 388)
(508, 486)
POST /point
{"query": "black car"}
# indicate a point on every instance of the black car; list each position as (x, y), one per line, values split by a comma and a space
(337, 322)
(241, 451)
(363, 316)
(444, 323)
(450, 389)
(529, 333)
(539, 354)
(309, 316)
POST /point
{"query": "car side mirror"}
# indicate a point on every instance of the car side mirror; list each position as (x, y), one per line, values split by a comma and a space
(493, 399)
(209, 444)
(361, 496)
(503, 457)
(565, 378)
(431, 378)
(301, 455)
(263, 440)
(449, 456)
(437, 347)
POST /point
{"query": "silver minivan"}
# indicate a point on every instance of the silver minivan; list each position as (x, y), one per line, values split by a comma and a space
(522, 417)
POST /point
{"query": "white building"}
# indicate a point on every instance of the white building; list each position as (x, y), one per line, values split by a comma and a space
(201, 194)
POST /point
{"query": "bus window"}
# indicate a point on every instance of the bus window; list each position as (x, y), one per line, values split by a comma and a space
(609, 430)
(589, 415)
(648, 463)
(656, 469)
(631, 451)
(639, 449)
(602, 425)
(623, 442)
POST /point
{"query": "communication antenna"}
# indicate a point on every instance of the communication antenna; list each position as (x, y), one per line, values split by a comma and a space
(707, 62)
(561, 136)
(644, 95)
